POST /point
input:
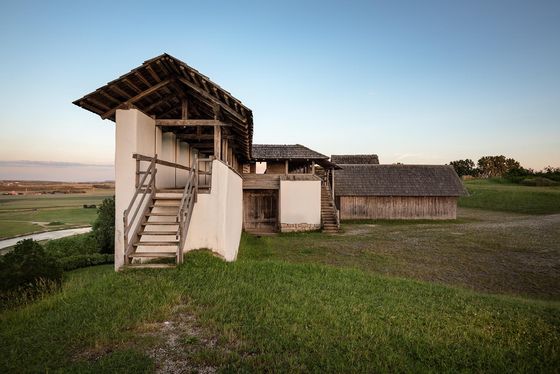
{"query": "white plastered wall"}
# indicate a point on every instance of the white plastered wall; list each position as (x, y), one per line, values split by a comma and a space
(135, 132)
(217, 217)
(183, 158)
(166, 150)
(300, 203)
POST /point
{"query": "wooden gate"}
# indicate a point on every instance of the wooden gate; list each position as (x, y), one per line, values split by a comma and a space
(260, 210)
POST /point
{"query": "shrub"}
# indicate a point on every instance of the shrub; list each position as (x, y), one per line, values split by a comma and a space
(27, 272)
(539, 182)
(72, 245)
(104, 226)
(82, 261)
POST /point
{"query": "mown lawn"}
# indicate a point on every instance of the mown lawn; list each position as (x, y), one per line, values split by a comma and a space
(278, 316)
(26, 214)
(508, 197)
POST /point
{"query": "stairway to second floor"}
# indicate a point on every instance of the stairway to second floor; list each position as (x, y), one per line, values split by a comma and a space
(329, 215)
(157, 221)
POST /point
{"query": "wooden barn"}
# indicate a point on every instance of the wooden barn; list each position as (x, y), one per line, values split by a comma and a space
(373, 191)
(293, 192)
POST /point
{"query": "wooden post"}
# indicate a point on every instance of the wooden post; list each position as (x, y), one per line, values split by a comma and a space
(184, 109)
(217, 142)
(287, 168)
(137, 173)
(313, 167)
(195, 163)
(332, 183)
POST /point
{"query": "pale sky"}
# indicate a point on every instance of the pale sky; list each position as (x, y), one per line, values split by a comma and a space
(414, 82)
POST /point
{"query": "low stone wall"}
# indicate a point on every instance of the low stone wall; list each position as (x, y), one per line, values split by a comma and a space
(299, 227)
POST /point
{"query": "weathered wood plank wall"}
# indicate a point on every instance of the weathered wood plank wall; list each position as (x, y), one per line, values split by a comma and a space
(398, 207)
(260, 210)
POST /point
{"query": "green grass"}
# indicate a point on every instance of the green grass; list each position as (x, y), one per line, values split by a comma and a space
(499, 195)
(277, 316)
(26, 214)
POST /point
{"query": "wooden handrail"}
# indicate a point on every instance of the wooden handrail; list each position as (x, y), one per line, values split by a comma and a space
(143, 189)
(140, 157)
(186, 206)
(326, 185)
(146, 186)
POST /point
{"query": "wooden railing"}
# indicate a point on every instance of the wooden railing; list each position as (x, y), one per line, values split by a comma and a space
(327, 184)
(144, 187)
(189, 198)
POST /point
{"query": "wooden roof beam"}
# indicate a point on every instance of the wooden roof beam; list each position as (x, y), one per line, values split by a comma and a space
(201, 137)
(189, 122)
(207, 96)
(134, 87)
(153, 73)
(118, 90)
(163, 100)
(137, 97)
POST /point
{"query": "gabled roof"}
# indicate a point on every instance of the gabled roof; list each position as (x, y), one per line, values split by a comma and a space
(263, 152)
(160, 86)
(355, 159)
(397, 180)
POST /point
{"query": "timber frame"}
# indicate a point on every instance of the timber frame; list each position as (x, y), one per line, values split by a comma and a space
(182, 101)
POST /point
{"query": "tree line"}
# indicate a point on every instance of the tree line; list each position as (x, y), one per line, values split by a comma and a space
(501, 166)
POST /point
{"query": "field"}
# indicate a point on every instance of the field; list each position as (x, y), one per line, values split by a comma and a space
(477, 294)
(23, 214)
(498, 194)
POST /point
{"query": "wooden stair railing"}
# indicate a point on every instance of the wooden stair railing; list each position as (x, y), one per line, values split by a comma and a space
(161, 199)
(327, 191)
(189, 198)
(145, 187)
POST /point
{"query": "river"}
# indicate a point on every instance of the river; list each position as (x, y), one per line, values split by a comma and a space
(44, 236)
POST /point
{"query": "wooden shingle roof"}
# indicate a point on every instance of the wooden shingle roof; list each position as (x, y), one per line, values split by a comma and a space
(397, 180)
(355, 159)
(161, 86)
(263, 152)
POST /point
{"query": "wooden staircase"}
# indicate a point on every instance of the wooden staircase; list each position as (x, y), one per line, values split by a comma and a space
(329, 215)
(160, 231)
(158, 237)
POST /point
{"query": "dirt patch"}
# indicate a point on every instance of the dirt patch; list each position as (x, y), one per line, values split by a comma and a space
(180, 344)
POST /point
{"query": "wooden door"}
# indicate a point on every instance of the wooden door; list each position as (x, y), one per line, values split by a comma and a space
(260, 210)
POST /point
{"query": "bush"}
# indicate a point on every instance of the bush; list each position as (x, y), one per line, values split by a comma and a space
(539, 182)
(83, 244)
(82, 261)
(27, 272)
(104, 226)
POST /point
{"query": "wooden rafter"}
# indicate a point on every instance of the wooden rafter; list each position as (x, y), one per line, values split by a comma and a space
(118, 90)
(159, 102)
(213, 99)
(190, 122)
(137, 97)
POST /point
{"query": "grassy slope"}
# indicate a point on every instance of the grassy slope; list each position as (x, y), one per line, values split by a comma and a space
(17, 213)
(508, 197)
(284, 317)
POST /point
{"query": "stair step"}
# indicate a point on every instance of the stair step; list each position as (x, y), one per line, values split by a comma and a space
(158, 232)
(157, 244)
(153, 254)
(168, 198)
(160, 223)
(150, 266)
(161, 214)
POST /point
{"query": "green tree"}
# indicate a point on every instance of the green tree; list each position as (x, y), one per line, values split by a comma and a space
(27, 265)
(104, 226)
(463, 167)
(496, 166)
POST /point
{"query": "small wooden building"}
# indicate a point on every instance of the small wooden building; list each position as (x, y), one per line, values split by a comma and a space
(372, 191)
(293, 194)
